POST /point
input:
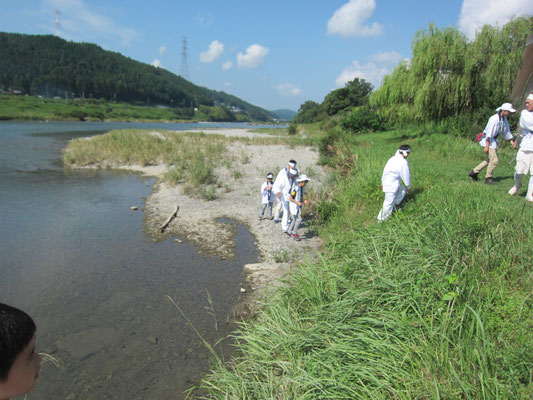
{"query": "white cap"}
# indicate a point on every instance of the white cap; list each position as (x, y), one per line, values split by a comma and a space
(529, 96)
(506, 107)
(303, 178)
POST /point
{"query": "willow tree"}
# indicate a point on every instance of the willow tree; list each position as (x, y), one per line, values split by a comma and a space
(449, 76)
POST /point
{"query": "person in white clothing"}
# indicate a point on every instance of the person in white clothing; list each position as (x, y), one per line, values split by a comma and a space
(267, 196)
(395, 172)
(296, 203)
(282, 186)
(524, 157)
(496, 126)
(279, 206)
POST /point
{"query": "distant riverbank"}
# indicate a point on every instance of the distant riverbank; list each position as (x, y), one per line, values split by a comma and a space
(31, 108)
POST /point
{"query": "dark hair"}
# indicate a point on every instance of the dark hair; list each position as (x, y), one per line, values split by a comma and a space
(16, 331)
(292, 161)
(405, 147)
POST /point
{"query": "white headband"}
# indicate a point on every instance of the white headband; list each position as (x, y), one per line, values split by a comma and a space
(292, 164)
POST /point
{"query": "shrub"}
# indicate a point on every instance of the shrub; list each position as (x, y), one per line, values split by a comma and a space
(362, 120)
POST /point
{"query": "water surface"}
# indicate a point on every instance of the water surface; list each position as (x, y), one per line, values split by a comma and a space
(74, 256)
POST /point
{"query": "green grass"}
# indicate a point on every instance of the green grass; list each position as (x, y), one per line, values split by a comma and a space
(34, 108)
(433, 304)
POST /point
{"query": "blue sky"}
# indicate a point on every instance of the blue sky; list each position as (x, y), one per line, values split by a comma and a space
(274, 54)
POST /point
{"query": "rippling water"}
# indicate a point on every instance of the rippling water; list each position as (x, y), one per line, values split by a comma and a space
(74, 256)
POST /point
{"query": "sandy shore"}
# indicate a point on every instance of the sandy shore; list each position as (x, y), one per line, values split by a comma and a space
(199, 221)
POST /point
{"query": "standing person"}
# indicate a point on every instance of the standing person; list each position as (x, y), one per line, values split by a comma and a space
(496, 126)
(395, 171)
(296, 203)
(279, 207)
(282, 187)
(19, 363)
(524, 157)
(267, 196)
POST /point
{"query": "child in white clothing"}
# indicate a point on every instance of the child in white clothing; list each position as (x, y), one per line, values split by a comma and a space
(267, 196)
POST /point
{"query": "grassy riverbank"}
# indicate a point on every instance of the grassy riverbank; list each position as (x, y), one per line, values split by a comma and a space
(190, 158)
(435, 303)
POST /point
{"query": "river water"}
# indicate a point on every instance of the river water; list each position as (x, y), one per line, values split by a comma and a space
(74, 256)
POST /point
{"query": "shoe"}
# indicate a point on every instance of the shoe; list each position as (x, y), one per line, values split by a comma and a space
(513, 191)
(296, 237)
(276, 220)
(529, 197)
(473, 175)
(490, 181)
(287, 234)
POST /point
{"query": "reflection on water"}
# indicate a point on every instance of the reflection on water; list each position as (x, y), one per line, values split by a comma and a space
(74, 256)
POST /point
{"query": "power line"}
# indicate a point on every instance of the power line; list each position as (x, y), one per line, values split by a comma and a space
(184, 69)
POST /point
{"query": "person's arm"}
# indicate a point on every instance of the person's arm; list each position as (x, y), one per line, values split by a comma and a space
(487, 145)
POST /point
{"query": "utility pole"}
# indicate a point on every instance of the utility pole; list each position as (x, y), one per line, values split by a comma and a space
(184, 70)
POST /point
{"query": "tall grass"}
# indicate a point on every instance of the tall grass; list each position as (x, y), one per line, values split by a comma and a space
(433, 304)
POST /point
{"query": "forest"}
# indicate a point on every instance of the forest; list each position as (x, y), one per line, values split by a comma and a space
(49, 66)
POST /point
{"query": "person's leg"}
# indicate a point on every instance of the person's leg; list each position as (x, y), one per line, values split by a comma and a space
(493, 162)
(278, 209)
(291, 230)
(387, 208)
(296, 221)
(400, 195)
(480, 166)
(529, 195)
(270, 210)
(263, 207)
(285, 217)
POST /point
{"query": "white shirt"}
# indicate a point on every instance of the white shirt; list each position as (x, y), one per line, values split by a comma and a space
(396, 169)
(297, 194)
(496, 126)
(267, 196)
(282, 184)
(526, 123)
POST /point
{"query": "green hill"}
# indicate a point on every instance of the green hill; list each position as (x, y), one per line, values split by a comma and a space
(49, 66)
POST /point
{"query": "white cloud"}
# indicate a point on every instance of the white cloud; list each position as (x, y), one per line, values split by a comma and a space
(254, 57)
(288, 89)
(156, 63)
(227, 65)
(349, 20)
(370, 72)
(162, 50)
(77, 21)
(204, 20)
(214, 51)
(386, 57)
(476, 13)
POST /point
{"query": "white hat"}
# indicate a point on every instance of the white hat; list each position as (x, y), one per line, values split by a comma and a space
(303, 178)
(529, 96)
(293, 171)
(506, 107)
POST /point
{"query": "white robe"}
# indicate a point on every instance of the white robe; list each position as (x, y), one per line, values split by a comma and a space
(396, 170)
(526, 123)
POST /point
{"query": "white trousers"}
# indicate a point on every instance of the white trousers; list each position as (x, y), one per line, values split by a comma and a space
(391, 199)
(524, 165)
(285, 217)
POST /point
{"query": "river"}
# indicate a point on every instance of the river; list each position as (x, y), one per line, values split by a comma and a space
(75, 257)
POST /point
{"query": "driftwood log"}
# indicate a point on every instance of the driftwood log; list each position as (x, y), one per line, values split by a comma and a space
(169, 220)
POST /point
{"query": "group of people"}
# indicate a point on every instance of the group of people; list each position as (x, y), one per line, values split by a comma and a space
(497, 126)
(289, 189)
(396, 177)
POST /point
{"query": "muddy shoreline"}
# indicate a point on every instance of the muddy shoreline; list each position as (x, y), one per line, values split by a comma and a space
(202, 222)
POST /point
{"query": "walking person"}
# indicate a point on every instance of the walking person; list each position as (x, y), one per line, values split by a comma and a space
(267, 196)
(296, 203)
(395, 172)
(496, 126)
(279, 206)
(524, 157)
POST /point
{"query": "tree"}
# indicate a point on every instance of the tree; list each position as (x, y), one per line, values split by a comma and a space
(307, 112)
(354, 94)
